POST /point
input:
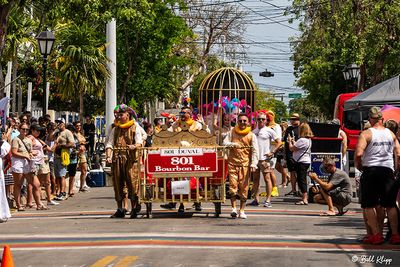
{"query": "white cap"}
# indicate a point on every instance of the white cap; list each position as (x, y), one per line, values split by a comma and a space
(59, 120)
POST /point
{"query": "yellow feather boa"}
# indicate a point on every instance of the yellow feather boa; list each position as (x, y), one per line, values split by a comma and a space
(189, 122)
(242, 132)
(124, 125)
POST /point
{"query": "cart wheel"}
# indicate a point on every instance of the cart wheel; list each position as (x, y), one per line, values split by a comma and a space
(148, 211)
(217, 209)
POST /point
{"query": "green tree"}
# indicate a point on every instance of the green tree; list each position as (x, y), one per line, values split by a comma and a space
(336, 33)
(147, 34)
(5, 9)
(213, 63)
(81, 64)
(266, 101)
(306, 109)
(216, 23)
(18, 46)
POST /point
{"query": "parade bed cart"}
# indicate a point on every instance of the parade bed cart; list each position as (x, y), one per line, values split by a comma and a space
(183, 167)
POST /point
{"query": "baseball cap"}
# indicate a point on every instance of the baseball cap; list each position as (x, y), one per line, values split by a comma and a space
(375, 113)
(60, 120)
(295, 116)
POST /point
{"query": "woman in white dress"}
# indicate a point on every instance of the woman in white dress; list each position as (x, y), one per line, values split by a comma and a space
(4, 208)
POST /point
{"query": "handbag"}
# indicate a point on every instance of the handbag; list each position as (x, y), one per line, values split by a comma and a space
(65, 160)
(26, 147)
(305, 151)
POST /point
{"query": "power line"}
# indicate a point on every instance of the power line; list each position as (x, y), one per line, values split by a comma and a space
(268, 17)
(212, 4)
(269, 3)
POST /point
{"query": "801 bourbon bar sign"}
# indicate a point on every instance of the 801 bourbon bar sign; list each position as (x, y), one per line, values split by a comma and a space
(182, 160)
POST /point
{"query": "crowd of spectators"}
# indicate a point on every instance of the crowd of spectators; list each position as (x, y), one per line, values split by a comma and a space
(42, 154)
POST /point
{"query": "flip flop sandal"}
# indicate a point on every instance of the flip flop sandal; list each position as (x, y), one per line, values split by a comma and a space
(301, 202)
(21, 209)
(327, 214)
(343, 212)
(42, 207)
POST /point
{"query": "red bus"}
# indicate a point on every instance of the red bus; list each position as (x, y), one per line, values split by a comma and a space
(351, 121)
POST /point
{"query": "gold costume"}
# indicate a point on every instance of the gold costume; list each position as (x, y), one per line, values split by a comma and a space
(124, 163)
(239, 165)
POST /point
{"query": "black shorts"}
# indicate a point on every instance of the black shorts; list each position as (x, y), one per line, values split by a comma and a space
(378, 187)
(72, 169)
(340, 198)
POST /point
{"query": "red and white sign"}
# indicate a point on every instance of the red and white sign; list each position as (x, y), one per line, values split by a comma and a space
(182, 160)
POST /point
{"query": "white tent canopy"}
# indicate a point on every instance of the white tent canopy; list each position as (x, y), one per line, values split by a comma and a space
(386, 92)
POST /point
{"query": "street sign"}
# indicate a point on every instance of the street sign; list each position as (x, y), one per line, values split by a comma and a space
(295, 95)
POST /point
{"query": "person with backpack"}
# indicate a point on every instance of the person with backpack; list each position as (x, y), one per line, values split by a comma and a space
(64, 142)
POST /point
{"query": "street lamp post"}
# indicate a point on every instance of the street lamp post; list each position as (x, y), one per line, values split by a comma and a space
(352, 72)
(45, 41)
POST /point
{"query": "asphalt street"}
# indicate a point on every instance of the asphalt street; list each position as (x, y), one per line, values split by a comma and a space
(79, 232)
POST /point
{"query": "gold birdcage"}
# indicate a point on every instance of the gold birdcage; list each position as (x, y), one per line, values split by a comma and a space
(226, 91)
(226, 82)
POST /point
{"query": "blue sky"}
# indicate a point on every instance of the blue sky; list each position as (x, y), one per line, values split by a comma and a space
(268, 33)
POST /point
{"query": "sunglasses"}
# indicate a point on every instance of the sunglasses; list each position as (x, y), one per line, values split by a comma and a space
(242, 121)
(25, 129)
(261, 119)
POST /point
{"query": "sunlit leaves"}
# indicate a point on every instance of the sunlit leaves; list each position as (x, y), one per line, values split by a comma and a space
(337, 33)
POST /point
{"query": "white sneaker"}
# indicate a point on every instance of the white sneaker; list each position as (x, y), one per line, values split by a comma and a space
(242, 215)
(86, 187)
(234, 213)
(52, 203)
(268, 204)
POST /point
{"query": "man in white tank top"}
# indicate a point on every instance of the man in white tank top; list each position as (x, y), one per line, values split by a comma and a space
(374, 156)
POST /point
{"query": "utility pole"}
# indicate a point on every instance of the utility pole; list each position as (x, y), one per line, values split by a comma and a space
(111, 86)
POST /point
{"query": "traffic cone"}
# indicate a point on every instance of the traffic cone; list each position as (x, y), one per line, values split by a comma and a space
(7, 260)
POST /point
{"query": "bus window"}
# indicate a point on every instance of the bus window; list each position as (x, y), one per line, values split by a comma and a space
(352, 120)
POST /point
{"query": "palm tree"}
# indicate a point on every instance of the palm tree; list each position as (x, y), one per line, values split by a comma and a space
(18, 46)
(81, 64)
